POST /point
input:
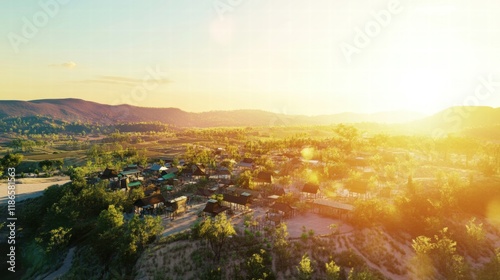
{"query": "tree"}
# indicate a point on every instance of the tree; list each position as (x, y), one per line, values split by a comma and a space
(45, 164)
(138, 233)
(256, 266)
(442, 253)
(246, 179)
(11, 160)
(217, 230)
(109, 232)
(304, 268)
(332, 271)
(58, 239)
(77, 176)
(110, 218)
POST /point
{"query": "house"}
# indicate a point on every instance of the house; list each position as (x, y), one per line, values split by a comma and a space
(221, 174)
(264, 178)
(134, 184)
(279, 211)
(243, 192)
(310, 189)
(236, 202)
(167, 179)
(359, 187)
(157, 168)
(279, 191)
(170, 170)
(176, 206)
(246, 163)
(133, 167)
(332, 208)
(148, 202)
(198, 171)
(131, 173)
(108, 174)
(213, 208)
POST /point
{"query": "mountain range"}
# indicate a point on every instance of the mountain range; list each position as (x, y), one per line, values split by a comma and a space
(77, 110)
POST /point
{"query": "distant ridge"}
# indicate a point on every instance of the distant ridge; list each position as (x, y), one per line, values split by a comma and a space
(78, 110)
(460, 118)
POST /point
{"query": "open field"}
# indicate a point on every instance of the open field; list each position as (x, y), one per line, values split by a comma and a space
(31, 187)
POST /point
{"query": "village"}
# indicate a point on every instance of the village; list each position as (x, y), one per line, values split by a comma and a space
(356, 202)
(185, 193)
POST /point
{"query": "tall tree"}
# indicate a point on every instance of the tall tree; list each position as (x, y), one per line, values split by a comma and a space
(217, 231)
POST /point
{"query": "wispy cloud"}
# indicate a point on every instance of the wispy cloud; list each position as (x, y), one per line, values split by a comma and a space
(67, 65)
(126, 81)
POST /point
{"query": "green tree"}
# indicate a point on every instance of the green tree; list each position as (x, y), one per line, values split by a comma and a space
(304, 268)
(139, 232)
(217, 231)
(442, 252)
(110, 232)
(110, 218)
(11, 160)
(58, 239)
(256, 267)
(332, 271)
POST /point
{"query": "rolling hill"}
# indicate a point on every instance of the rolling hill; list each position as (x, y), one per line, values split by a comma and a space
(482, 122)
(77, 110)
(460, 118)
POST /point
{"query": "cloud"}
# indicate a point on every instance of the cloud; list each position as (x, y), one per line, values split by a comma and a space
(126, 81)
(67, 65)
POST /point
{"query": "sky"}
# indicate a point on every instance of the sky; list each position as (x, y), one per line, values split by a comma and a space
(284, 56)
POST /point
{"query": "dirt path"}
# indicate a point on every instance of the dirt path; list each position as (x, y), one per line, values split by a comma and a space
(31, 187)
(64, 268)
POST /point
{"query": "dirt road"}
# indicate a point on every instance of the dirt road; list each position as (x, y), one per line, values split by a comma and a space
(30, 187)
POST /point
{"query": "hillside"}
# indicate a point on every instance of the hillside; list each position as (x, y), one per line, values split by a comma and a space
(461, 119)
(77, 110)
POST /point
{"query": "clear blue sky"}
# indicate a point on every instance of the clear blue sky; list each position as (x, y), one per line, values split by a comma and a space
(285, 56)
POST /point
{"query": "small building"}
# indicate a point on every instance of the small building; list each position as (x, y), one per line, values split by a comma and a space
(251, 194)
(279, 211)
(170, 170)
(264, 178)
(153, 201)
(134, 184)
(221, 174)
(198, 171)
(214, 208)
(246, 163)
(131, 173)
(278, 191)
(332, 208)
(176, 206)
(109, 174)
(310, 189)
(157, 168)
(168, 176)
(236, 202)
